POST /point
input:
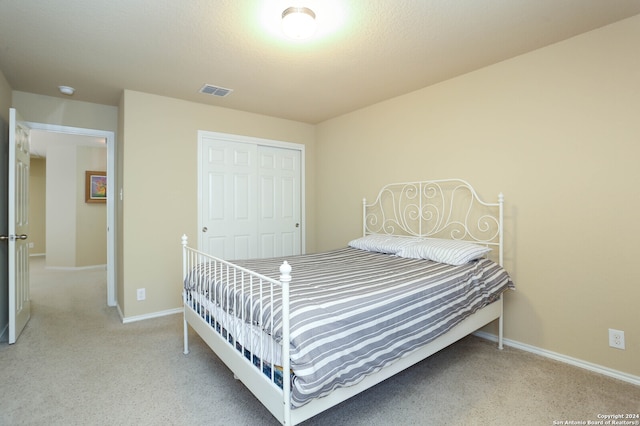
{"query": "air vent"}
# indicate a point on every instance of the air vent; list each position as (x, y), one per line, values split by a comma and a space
(209, 89)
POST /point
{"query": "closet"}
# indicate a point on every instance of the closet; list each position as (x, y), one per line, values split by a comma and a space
(250, 196)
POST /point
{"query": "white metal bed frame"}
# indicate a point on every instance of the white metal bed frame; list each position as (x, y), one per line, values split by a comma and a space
(448, 208)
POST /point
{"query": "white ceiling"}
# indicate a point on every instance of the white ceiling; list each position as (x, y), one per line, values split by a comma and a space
(366, 50)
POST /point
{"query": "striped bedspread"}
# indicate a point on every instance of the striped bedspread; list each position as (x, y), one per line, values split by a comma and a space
(353, 312)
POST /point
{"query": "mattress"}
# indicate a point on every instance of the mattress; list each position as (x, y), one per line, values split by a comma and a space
(245, 336)
(353, 312)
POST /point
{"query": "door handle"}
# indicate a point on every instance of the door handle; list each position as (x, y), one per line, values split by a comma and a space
(205, 229)
(13, 237)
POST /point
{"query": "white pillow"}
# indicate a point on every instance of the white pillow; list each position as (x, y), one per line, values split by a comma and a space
(381, 243)
(452, 252)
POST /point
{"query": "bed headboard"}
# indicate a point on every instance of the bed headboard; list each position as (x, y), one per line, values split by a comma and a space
(446, 208)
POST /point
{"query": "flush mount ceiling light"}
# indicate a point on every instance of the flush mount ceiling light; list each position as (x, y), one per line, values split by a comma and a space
(66, 90)
(298, 22)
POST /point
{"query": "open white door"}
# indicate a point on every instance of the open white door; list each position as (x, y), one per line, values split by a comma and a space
(19, 298)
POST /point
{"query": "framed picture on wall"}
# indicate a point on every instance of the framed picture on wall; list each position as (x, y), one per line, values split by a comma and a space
(95, 187)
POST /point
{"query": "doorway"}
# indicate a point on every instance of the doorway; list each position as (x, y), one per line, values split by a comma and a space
(109, 138)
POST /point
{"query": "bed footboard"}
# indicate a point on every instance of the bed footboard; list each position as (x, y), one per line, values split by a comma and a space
(239, 323)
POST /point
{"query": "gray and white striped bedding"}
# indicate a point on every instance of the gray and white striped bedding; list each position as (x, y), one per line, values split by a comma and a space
(353, 312)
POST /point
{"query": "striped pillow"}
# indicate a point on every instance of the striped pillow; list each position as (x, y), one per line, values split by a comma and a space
(452, 252)
(381, 243)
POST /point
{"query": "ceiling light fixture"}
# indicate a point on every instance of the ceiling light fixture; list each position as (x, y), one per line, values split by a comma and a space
(66, 90)
(298, 22)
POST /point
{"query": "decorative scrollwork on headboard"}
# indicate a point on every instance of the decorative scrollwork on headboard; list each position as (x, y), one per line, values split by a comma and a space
(448, 208)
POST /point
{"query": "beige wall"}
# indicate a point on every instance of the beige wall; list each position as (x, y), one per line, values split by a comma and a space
(65, 112)
(91, 218)
(158, 161)
(77, 228)
(61, 206)
(557, 131)
(5, 97)
(37, 205)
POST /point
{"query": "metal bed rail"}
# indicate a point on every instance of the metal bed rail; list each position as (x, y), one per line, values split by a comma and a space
(215, 294)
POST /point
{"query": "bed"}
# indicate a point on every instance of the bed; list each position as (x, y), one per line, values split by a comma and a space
(426, 272)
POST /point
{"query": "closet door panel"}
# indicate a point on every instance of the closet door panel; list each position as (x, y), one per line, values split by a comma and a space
(228, 204)
(279, 209)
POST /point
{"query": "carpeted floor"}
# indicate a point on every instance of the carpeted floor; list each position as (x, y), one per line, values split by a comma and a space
(77, 364)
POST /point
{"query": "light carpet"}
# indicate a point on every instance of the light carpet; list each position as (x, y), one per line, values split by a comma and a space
(77, 364)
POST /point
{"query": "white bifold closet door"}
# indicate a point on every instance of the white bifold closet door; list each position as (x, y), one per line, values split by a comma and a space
(250, 200)
(278, 202)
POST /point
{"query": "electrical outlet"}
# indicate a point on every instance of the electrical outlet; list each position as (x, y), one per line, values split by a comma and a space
(616, 338)
(142, 294)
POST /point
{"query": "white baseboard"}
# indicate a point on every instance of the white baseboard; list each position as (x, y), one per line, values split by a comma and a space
(76, 268)
(126, 320)
(625, 377)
